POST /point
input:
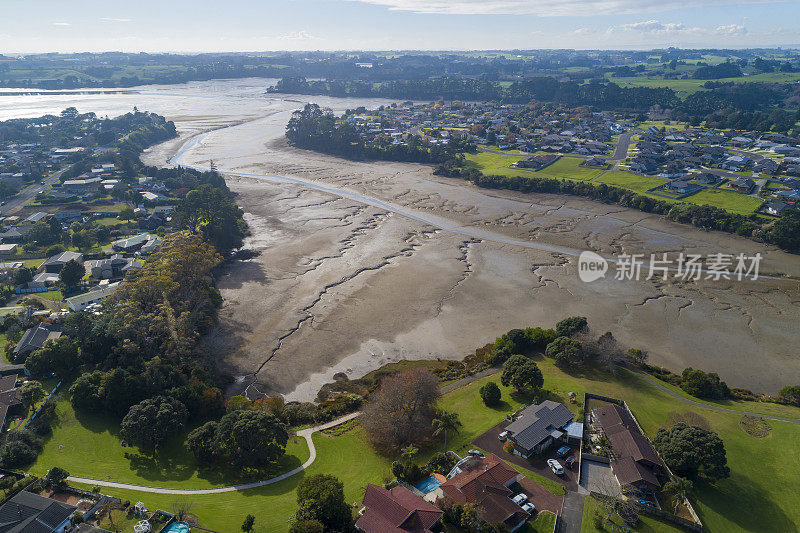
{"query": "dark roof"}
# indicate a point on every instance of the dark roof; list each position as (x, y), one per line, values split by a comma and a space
(30, 513)
(63, 258)
(634, 445)
(531, 427)
(34, 338)
(613, 418)
(397, 510)
(484, 484)
(629, 472)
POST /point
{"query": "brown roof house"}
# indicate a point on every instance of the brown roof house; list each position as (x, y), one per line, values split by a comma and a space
(486, 482)
(396, 511)
(634, 461)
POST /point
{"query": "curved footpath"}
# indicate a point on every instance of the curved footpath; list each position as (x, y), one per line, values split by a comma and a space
(677, 396)
(305, 433)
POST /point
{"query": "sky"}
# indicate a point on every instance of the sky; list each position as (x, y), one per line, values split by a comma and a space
(265, 25)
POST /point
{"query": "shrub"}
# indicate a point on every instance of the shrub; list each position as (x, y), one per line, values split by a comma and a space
(566, 352)
(508, 446)
(490, 393)
(571, 325)
(703, 385)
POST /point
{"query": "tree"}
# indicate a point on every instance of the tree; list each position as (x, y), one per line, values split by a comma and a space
(71, 273)
(247, 525)
(251, 439)
(402, 410)
(571, 325)
(637, 357)
(209, 211)
(23, 275)
(321, 497)
(445, 421)
(703, 385)
(19, 449)
(677, 488)
(566, 352)
(181, 508)
(307, 526)
(490, 394)
(152, 422)
(202, 442)
(790, 394)
(56, 477)
(56, 355)
(692, 452)
(522, 374)
(126, 213)
(30, 393)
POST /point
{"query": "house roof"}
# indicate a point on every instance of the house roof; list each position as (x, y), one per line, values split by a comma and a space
(634, 456)
(64, 257)
(634, 445)
(629, 472)
(94, 295)
(536, 421)
(30, 513)
(397, 510)
(34, 338)
(483, 481)
(613, 418)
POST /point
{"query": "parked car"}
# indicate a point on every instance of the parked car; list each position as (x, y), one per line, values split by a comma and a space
(476, 453)
(564, 450)
(555, 466)
(503, 435)
(571, 461)
(519, 499)
(529, 508)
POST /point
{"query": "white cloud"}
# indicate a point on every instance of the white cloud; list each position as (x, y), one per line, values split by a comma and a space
(111, 19)
(655, 27)
(300, 35)
(731, 29)
(62, 24)
(549, 7)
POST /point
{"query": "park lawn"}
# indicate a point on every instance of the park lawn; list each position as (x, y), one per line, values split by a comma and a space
(647, 524)
(630, 181)
(729, 200)
(106, 458)
(566, 167)
(760, 494)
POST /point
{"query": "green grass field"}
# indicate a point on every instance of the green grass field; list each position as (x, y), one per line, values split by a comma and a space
(729, 200)
(647, 524)
(759, 496)
(566, 167)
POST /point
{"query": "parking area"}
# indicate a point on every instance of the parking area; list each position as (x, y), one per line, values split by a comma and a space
(491, 443)
(543, 499)
(597, 477)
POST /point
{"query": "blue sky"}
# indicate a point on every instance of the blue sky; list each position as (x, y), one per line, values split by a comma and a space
(256, 25)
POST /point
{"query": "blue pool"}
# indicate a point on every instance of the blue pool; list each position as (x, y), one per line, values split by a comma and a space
(177, 527)
(427, 485)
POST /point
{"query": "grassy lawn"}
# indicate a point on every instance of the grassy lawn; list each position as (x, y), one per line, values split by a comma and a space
(566, 167)
(759, 496)
(630, 181)
(544, 522)
(106, 458)
(647, 524)
(728, 200)
(55, 296)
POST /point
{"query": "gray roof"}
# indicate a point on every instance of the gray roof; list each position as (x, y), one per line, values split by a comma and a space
(34, 338)
(30, 513)
(536, 421)
(63, 258)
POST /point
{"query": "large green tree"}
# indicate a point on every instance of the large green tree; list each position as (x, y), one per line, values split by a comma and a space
(693, 452)
(71, 273)
(566, 352)
(56, 355)
(321, 497)
(522, 373)
(151, 422)
(209, 210)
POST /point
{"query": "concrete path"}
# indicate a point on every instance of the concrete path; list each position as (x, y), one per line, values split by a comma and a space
(701, 405)
(571, 513)
(305, 433)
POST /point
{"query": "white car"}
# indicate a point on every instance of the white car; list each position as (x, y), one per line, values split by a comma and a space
(555, 466)
(519, 499)
(503, 435)
(529, 508)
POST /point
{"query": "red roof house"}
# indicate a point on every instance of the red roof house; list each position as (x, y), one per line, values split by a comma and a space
(396, 511)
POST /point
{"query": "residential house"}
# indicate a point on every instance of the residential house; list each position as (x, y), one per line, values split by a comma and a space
(114, 267)
(396, 511)
(26, 512)
(8, 249)
(486, 482)
(765, 166)
(132, 244)
(778, 208)
(35, 337)
(744, 185)
(81, 186)
(634, 461)
(538, 427)
(736, 163)
(14, 234)
(56, 263)
(706, 178)
(89, 299)
(8, 397)
(682, 187)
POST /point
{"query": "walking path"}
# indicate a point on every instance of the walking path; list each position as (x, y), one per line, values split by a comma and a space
(677, 396)
(305, 433)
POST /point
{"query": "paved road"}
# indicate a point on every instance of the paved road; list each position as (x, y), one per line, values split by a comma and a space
(623, 143)
(677, 396)
(571, 513)
(305, 433)
(16, 203)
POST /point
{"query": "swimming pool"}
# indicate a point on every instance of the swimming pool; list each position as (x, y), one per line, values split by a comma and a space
(427, 485)
(177, 527)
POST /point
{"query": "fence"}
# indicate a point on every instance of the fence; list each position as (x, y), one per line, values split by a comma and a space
(40, 407)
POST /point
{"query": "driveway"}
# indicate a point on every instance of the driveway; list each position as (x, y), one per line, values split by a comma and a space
(490, 442)
(571, 513)
(543, 499)
(597, 477)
